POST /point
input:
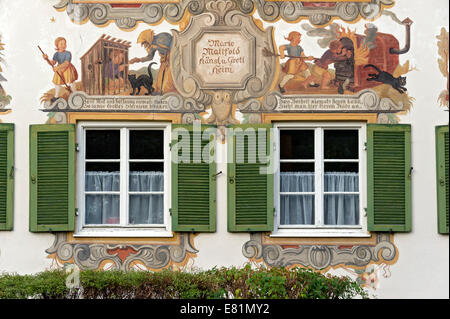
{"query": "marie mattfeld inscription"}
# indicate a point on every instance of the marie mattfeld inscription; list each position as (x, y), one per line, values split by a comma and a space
(224, 59)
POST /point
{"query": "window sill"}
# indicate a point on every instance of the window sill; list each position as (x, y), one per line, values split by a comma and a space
(121, 232)
(357, 233)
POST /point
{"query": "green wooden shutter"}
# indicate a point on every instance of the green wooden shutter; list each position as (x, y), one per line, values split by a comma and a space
(6, 176)
(194, 179)
(442, 177)
(389, 177)
(52, 177)
(250, 190)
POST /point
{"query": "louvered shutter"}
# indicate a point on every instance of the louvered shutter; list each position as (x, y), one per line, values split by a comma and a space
(389, 177)
(52, 178)
(6, 176)
(442, 150)
(250, 183)
(193, 178)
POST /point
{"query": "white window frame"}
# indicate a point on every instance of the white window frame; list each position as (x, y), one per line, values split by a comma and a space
(123, 230)
(320, 230)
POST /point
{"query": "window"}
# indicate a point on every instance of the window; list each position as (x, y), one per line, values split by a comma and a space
(320, 175)
(123, 179)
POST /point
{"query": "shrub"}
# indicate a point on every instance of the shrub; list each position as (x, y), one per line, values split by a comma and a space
(217, 283)
(45, 285)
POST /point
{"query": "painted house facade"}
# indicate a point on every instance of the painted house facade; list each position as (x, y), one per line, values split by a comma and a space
(188, 134)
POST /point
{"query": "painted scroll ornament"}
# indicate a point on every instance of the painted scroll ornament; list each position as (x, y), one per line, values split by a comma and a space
(169, 102)
(121, 257)
(365, 101)
(321, 257)
(220, 51)
(292, 11)
(128, 17)
(152, 13)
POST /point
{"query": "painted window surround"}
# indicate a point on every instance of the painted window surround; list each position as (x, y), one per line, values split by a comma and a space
(76, 117)
(83, 230)
(316, 230)
(272, 118)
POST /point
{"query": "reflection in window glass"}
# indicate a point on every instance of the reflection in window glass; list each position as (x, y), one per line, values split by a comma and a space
(146, 144)
(102, 209)
(103, 144)
(297, 144)
(340, 144)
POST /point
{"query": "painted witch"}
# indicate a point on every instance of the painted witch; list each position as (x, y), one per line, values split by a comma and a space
(162, 43)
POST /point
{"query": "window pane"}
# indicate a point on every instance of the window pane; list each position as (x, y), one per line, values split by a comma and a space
(102, 181)
(147, 166)
(297, 182)
(297, 210)
(102, 144)
(102, 177)
(296, 144)
(146, 181)
(341, 209)
(297, 177)
(102, 167)
(341, 167)
(102, 209)
(146, 209)
(341, 144)
(341, 182)
(297, 167)
(146, 177)
(146, 144)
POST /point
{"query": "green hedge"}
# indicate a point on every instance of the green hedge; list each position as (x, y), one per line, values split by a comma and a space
(247, 283)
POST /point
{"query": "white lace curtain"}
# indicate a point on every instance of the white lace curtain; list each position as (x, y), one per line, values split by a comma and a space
(339, 209)
(143, 208)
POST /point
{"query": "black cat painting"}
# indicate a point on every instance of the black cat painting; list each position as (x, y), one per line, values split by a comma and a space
(387, 78)
(142, 81)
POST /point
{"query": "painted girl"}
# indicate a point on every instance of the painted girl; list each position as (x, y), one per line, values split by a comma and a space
(294, 67)
(65, 72)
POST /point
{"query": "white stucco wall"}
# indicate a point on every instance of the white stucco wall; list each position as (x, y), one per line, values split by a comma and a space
(422, 269)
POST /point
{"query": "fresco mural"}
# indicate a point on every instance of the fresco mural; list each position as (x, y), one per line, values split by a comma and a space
(443, 52)
(229, 62)
(172, 254)
(357, 71)
(378, 250)
(5, 99)
(357, 60)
